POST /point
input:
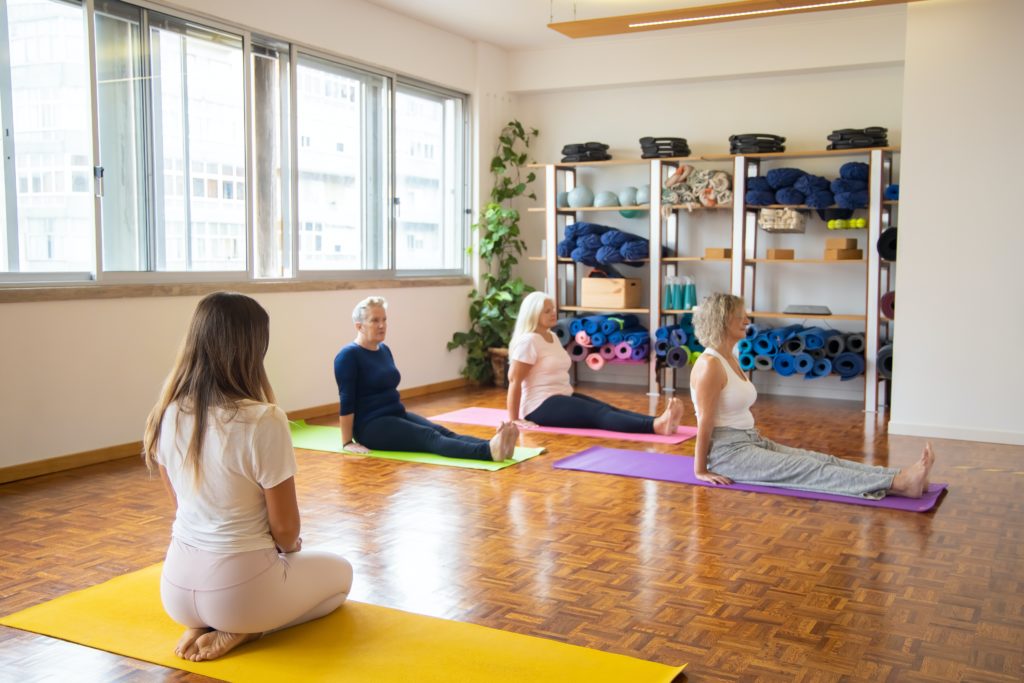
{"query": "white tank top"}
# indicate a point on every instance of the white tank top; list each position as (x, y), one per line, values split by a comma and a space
(735, 400)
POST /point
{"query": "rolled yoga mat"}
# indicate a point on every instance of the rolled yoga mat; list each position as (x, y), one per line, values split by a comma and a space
(595, 361)
(885, 361)
(679, 469)
(356, 642)
(822, 368)
(803, 363)
(677, 337)
(762, 362)
(887, 244)
(848, 365)
(592, 323)
(640, 352)
(561, 331)
(814, 338)
(780, 334)
(623, 351)
(887, 304)
(583, 339)
(575, 326)
(598, 339)
(855, 342)
(746, 361)
(753, 329)
(493, 417)
(816, 353)
(834, 345)
(763, 345)
(608, 352)
(661, 347)
(678, 357)
(793, 346)
(576, 352)
(694, 355)
(745, 346)
(784, 364)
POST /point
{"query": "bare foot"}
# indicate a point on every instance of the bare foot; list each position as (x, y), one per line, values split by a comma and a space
(677, 409)
(186, 644)
(496, 442)
(912, 481)
(668, 421)
(512, 436)
(218, 643)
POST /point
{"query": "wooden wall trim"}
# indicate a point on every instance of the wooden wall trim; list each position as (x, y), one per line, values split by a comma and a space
(58, 292)
(134, 449)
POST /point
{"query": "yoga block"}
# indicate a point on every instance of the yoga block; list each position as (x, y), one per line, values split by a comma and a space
(841, 243)
(844, 254)
(715, 252)
(780, 254)
(611, 292)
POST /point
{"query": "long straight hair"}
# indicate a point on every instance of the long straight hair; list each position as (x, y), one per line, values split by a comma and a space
(529, 314)
(220, 363)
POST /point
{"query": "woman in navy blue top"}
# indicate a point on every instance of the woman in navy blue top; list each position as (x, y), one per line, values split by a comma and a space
(372, 415)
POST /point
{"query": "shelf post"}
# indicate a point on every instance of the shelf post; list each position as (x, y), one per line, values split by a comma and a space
(880, 165)
(654, 272)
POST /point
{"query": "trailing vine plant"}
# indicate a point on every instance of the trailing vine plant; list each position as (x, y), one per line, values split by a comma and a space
(494, 305)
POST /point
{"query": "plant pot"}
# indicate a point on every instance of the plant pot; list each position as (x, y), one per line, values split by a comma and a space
(499, 366)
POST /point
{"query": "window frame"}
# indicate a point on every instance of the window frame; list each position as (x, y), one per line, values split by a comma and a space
(384, 229)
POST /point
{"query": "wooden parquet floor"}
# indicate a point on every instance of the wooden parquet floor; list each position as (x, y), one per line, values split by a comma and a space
(742, 586)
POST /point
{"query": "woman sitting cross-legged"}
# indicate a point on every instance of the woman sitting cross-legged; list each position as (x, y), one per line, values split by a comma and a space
(372, 415)
(539, 392)
(233, 570)
(728, 446)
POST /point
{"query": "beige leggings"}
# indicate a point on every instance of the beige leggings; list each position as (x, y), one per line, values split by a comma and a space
(251, 592)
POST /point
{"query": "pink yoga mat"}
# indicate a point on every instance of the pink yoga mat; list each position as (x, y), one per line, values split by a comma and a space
(492, 417)
(679, 468)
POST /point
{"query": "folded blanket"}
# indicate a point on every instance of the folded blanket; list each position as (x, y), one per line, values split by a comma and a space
(820, 199)
(852, 200)
(607, 255)
(582, 228)
(756, 198)
(635, 250)
(585, 256)
(848, 185)
(758, 184)
(720, 181)
(699, 179)
(809, 184)
(789, 195)
(783, 177)
(615, 238)
(854, 170)
(565, 248)
(589, 242)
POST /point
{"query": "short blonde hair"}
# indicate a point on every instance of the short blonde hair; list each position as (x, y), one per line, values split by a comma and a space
(711, 318)
(529, 313)
(359, 312)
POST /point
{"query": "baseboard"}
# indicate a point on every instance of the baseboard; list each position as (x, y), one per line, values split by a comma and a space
(69, 462)
(960, 433)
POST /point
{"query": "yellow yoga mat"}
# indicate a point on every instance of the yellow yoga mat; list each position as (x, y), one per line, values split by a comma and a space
(358, 643)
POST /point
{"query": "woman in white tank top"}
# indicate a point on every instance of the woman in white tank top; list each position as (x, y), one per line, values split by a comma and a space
(729, 448)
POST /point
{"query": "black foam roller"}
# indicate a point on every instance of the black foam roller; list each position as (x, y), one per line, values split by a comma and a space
(887, 244)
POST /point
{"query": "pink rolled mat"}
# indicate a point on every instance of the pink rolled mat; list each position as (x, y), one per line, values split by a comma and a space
(623, 350)
(608, 351)
(575, 351)
(583, 339)
(492, 417)
(595, 361)
(679, 469)
(887, 304)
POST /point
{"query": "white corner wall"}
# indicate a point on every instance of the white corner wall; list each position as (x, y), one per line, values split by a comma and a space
(960, 317)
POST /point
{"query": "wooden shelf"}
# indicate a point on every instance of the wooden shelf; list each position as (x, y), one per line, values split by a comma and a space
(834, 316)
(890, 202)
(799, 207)
(697, 207)
(585, 309)
(608, 162)
(542, 258)
(725, 157)
(569, 209)
(676, 311)
(802, 260)
(674, 259)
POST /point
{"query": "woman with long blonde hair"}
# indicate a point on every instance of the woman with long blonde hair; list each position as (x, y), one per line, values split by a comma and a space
(223, 449)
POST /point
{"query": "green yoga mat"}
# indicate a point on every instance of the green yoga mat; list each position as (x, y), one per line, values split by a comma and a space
(316, 438)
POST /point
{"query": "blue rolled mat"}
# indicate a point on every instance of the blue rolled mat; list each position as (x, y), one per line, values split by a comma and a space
(661, 347)
(661, 333)
(678, 337)
(855, 342)
(784, 364)
(638, 338)
(848, 365)
(814, 338)
(885, 361)
(598, 339)
(677, 357)
(803, 363)
(793, 345)
(575, 326)
(762, 362)
(616, 338)
(781, 334)
(640, 352)
(694, 345)
(834, 346)
(561, 330)
(816, 354)
(745, 346)
(763, 345)
(753, 329)
(577, 352)
(592, 323)
(617, 323)
(892, 192)
(822, 367)
(746, 361)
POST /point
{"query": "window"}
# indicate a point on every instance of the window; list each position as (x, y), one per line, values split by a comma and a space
(342, 186)
(431, 222)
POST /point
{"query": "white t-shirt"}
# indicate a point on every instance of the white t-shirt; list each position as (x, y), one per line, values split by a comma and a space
(549, 375)
(245, 451)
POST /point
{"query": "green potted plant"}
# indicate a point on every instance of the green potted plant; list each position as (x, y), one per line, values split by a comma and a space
(494, 305)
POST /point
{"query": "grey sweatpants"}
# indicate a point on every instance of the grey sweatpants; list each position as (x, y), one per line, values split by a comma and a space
(745, 456)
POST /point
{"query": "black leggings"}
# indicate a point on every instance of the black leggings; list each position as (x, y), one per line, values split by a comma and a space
(584, 412)
(414, 434)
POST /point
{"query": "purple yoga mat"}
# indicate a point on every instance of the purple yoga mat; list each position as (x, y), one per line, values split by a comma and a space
(679, 468)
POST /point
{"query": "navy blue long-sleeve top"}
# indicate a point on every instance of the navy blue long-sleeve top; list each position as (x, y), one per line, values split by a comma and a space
(367, 383)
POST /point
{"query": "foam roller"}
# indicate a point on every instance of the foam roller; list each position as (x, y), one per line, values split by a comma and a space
(885, 361)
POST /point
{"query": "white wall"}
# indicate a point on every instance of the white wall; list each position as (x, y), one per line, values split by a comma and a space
(80, 375)
(960, 318)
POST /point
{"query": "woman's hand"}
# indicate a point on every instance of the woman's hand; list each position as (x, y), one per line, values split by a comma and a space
(295, 549)
(353, 447)
(524, 424)
(713, 478)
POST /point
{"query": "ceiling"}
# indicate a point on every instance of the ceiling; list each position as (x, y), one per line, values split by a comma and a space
(520, 24)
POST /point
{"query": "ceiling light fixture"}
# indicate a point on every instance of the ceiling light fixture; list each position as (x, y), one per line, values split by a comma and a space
(707, 14)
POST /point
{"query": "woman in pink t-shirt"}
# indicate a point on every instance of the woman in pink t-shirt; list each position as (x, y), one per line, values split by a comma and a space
(539, 392)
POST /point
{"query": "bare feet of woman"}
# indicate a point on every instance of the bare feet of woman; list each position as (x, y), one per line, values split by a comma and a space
(912, 481)
(512, 434)
(669, 420)
(187, 643)
(503, 443)
(496, 443)
(218, 643)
